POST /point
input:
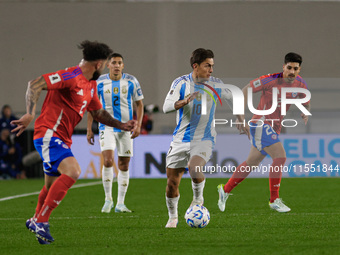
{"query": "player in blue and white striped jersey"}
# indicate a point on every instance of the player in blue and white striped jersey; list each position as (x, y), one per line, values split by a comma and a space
(194, 97)
(117, 92)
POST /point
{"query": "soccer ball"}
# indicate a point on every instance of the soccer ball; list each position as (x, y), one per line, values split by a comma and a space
(197, 216)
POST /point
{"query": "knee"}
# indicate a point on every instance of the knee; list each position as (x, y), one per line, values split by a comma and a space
(172, 184)
(252, 163)
(280, 160)
(197, 180)
(108, 162)
(123, 164)
(74, 172)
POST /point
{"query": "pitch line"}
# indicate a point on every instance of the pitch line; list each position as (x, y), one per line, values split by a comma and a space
(37, 192)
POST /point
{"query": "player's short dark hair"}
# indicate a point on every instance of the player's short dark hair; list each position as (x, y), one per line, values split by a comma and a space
(4, 108)
(116, 55)
(293, 57)
(94, 50)
(199, 55)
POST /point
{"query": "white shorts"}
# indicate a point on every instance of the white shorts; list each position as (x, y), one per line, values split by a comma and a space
(110, 140)
(180, 153)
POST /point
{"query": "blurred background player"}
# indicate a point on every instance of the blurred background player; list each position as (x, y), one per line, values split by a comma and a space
(5, 123)
(194, 137)
(10, 157)
(117, 92)
(265, 137)
(70, 93)
(7, 117)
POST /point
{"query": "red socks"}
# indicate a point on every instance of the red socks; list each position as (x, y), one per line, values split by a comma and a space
(41, 201)
(55, 194)
(275, 175)
(242, 171)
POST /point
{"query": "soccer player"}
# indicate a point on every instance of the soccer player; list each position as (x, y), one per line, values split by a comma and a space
(117, 91)
(195, 135)
(70, 93)
(265, 137)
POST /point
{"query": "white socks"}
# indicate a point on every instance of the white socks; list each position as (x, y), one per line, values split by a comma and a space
(107, 177)
(123, 183)
(197, 190)
(172, 203)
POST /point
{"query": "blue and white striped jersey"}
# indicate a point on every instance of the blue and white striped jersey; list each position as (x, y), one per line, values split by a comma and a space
(117, 97)
(195, 120)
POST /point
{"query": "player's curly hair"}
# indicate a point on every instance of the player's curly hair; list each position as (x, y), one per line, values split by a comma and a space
(293, 57)
(94, 50)
(199, 55)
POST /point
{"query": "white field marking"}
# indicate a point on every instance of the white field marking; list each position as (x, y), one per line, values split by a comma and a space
(37, 192)
(288, 213)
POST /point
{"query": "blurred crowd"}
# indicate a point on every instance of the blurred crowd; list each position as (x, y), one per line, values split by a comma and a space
(10, 148)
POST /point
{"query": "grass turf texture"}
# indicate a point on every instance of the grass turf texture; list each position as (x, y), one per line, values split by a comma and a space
(247, 226)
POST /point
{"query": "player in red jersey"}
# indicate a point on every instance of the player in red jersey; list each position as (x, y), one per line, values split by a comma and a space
(70, 93)
(264, 131)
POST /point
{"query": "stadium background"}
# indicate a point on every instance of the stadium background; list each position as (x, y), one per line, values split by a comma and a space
(156, 38)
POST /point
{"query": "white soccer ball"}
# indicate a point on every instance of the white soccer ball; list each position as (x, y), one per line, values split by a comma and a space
(197, 216)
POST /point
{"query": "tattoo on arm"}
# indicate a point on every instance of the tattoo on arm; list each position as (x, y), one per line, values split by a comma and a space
(33, 92)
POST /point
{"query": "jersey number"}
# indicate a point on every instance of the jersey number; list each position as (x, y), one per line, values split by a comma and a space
(82, 108)
(170, 149)
(115, 101)
(197, 108)
(269, 129)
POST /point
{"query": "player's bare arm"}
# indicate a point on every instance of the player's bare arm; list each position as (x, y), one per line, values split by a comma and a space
(89, 133)
(105, 118)
(32, 95)
(305, 117)
(181, 103)
(140, 113)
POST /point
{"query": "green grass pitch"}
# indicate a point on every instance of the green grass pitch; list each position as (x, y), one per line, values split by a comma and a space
(247, 226)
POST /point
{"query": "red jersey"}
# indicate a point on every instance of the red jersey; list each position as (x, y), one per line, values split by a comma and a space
(266, 83)
(69, 95)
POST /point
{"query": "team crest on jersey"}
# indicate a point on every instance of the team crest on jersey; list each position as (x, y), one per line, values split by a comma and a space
(54, 78)
(92, 92)
(171, 92)
(257, 83)
(124, 90)
(199, 97)
(115, 90)
(294, 94)
(274, 136)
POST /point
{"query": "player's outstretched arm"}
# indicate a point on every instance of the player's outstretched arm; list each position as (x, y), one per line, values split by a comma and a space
(32, 95)
(105, 118)
(89, 133)
(140, 113)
